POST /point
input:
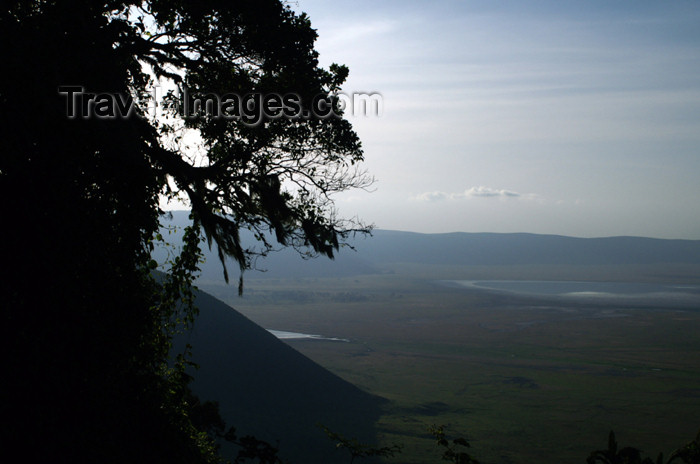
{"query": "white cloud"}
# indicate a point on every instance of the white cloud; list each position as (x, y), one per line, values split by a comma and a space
(482, 191)
(356, 31)
(432, 196)
(475, 192)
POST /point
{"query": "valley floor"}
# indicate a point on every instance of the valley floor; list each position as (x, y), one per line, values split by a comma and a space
(525, 378)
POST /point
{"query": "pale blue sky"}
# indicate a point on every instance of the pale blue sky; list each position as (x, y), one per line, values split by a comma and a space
(575, 118)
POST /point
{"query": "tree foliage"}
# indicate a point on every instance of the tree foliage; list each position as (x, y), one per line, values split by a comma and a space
(688, 454)
(86, 327)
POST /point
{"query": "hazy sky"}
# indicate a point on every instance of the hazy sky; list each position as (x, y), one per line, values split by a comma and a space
(576, 118)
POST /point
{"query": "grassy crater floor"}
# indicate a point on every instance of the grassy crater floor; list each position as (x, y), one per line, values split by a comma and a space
(525, 379)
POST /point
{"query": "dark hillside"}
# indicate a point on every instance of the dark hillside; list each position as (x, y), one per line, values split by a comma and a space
(267, 389)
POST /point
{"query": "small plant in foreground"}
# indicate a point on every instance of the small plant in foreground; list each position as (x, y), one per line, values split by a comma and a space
(360, 450)
(453, 449)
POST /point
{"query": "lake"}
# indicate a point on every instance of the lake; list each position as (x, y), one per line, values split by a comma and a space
(284, 335)
(620, 291)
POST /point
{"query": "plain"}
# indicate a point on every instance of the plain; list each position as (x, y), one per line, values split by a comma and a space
(524, 378)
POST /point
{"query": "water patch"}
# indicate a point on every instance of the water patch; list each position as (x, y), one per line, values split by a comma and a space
(284, 335)
(590, 294)
(579, 288)
(628, 292)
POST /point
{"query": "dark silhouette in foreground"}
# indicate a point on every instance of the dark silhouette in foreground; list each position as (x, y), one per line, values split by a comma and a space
(86, 329)
(688, 454)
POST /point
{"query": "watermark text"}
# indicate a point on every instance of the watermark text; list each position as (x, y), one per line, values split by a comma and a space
(251, 108)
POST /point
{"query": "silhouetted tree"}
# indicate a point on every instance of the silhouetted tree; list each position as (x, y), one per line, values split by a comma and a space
(86, 328)
(613, 455)
(689, 454)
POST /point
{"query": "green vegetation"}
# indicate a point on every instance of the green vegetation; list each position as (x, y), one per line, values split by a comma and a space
(527, 378)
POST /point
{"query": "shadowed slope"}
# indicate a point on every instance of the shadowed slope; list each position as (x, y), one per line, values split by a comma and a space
(267, 389)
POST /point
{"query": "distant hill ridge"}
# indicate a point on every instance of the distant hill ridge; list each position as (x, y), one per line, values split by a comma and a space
(522, 248)
(466, 249)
